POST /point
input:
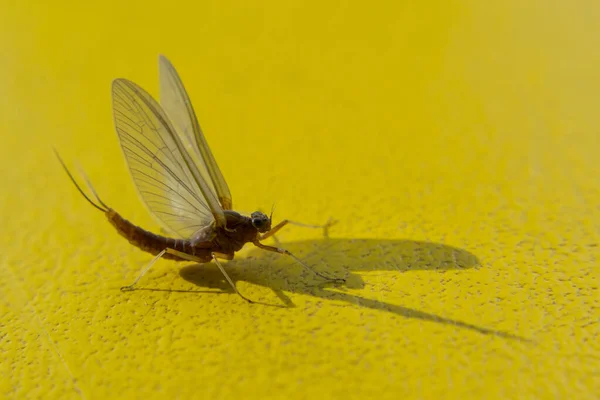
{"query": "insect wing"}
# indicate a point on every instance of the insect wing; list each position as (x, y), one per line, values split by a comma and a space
(163, 172)
(176, 103)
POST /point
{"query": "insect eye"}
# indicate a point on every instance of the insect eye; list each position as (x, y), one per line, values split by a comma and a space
(257, 222)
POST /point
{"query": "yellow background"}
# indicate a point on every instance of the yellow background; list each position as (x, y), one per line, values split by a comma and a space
(455, 141)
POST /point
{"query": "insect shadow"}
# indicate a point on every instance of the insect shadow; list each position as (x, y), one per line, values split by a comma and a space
(336, 257)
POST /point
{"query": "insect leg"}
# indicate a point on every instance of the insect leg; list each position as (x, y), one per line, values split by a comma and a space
(150, 264)
(229, 279)
(224, 256)
(284, 251)
(189, 257)
(287, 221)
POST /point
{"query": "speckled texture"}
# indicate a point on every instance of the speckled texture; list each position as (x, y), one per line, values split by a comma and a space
(455, 142)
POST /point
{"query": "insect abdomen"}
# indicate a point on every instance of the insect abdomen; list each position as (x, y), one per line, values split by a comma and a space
(150, 242)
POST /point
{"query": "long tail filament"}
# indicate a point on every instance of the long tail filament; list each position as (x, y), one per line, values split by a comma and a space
(102, 207)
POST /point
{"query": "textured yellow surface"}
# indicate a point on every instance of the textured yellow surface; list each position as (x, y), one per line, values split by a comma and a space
(455, 141)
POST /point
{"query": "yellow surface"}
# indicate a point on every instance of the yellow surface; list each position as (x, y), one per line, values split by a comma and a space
(455, 142)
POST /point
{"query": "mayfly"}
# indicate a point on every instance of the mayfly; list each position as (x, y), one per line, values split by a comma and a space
(179, 181)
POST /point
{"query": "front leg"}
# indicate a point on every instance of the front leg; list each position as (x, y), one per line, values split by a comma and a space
(283, 223)
(286, 252)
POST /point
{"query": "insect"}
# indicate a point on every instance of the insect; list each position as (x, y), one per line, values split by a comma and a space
(179, 181)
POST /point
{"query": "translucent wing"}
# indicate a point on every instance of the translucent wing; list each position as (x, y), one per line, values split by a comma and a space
(176, 103)
(166, 178)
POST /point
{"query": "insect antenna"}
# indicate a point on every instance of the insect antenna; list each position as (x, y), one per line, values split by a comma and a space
(102, 207)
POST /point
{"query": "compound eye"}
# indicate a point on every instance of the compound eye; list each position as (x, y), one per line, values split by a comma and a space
(257, 222)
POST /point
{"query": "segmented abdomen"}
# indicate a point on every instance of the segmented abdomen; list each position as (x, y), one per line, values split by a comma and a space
(152, 243)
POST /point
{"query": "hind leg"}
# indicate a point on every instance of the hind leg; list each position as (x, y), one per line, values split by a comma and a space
(150, 264)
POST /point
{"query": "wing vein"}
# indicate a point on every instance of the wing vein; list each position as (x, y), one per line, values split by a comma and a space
(158, 165)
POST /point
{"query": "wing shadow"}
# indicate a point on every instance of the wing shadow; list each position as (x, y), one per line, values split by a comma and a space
(350, 258)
